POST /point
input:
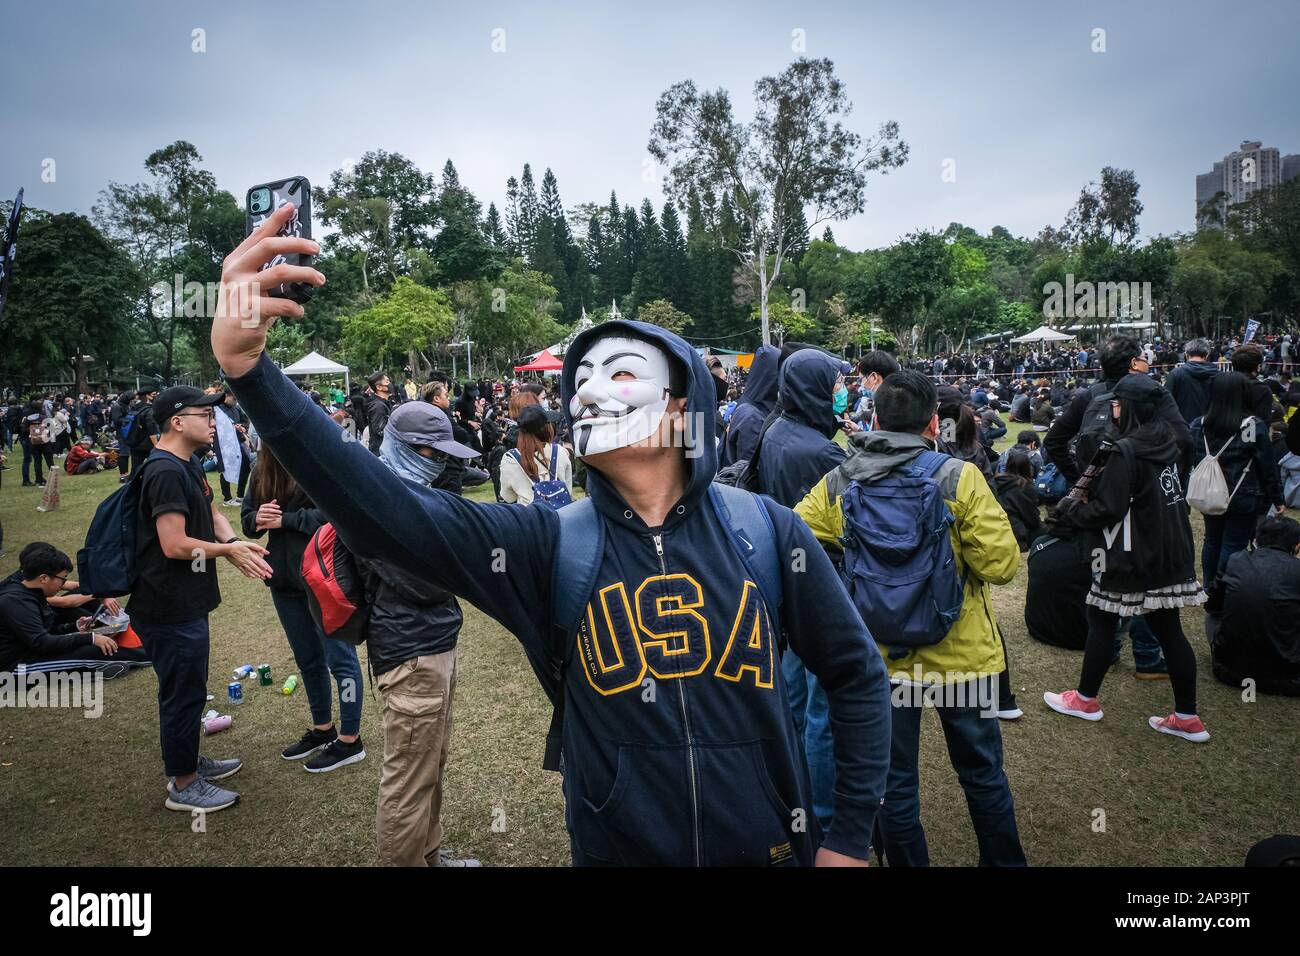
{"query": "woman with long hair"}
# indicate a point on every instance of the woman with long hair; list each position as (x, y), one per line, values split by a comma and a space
(276, 504)
(519, 400)
(1015, 492)
(1136, 517)
(536, 457)
(1241, 444)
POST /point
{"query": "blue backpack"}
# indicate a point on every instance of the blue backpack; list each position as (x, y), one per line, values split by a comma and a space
(127, 421)
(106, 565)
(578, 560)
(1051, 485)
(899, 567)
(550, 491)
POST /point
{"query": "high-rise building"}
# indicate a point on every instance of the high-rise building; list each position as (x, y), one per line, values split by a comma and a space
(1239, 176)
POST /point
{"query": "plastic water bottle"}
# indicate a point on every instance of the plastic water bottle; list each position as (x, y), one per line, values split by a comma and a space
(290, 685)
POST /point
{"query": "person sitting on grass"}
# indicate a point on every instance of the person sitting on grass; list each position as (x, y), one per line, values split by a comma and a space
(31, 635)
(81, 460)
(1028, 442)
(1258, 635)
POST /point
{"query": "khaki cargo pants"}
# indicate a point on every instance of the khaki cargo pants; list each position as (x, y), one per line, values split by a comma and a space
(417, 737)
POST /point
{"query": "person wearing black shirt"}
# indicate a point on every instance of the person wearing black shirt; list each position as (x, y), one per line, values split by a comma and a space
(378, 409)
(179, 531)
(29, 631)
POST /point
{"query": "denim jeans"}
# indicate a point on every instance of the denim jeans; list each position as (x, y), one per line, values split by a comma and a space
(1146, 648)
(975, 750)
(1225, 535)
(180, 659)
(812, 721)
(317, 657)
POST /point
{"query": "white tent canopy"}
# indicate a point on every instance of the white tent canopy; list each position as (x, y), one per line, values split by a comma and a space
(313, 363)
(1044, 334)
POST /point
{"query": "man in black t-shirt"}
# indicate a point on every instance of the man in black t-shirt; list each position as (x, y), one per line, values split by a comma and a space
(179, 534)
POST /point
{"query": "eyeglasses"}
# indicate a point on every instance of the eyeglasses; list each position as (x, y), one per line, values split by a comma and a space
(62, 579)
(210, 415)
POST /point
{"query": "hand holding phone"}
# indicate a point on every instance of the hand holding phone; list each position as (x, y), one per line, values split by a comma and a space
(268, 198)
(244, 310)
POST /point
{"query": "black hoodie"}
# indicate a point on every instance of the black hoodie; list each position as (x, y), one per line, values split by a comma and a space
(753, 408)
(1189, 384)
(799, 447)
(1138, 515)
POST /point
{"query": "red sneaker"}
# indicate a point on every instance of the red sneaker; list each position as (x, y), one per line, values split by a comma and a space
(1075, 706)
(1189, 728)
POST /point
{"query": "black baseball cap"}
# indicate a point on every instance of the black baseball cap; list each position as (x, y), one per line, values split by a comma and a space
(175, 397)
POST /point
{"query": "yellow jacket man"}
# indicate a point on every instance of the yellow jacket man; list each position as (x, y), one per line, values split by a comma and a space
(957, 675)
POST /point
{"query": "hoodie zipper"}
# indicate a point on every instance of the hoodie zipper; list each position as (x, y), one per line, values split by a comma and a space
(686, 723)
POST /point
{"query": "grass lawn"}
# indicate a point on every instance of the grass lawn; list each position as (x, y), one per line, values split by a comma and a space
(89, 792)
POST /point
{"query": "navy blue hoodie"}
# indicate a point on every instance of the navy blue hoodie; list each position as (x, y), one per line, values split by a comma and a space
(799, 447)
(755, 405)
(698, 766)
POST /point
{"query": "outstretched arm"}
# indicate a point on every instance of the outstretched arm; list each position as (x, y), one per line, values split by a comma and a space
(497, 557)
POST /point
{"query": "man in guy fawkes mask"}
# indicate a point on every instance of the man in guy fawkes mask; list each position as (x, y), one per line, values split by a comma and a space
(652, 611)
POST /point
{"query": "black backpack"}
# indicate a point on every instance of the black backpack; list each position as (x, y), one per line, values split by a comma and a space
(1095, 427)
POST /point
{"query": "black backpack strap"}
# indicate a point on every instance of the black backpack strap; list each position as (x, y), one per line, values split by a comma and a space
(573, 577)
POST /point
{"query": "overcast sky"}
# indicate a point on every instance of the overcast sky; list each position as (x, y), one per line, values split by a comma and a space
(1011, 90)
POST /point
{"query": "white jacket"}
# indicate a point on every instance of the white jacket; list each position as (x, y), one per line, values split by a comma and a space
(517, 486)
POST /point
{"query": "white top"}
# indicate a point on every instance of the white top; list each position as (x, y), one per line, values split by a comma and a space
(517, 486)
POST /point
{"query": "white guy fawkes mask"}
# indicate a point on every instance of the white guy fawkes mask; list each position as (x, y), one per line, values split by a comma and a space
(621, 394)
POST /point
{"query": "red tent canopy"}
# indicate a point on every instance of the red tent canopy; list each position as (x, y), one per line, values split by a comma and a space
(545, 362)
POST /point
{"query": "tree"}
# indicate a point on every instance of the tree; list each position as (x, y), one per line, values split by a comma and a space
(1110, 209)
(795, 154)
(787, 322)
(178, 224)
(461, 250)
(73, 291)
(512, 315)
(409, 316)
(383, 208)
(664, 314)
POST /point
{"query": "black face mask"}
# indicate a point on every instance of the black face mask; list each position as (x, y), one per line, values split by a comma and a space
(720, 386)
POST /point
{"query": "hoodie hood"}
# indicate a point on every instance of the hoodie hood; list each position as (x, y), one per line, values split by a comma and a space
(760, 385)
(1201, 370)
(874, 454)
(701, 410)
(807, 384)
(1153, 441)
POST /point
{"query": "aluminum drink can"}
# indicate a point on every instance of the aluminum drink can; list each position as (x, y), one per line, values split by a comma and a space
(264, 675)
(235, 690)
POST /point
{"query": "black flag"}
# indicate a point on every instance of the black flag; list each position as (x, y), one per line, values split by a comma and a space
(9, 251)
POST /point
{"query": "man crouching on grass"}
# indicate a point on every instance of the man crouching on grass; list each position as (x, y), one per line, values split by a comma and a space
(180, 531)
(678, 743)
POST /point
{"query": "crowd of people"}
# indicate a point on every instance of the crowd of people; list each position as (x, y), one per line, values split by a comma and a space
(786, 642)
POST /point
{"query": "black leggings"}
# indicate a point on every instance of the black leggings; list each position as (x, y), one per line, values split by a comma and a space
(1168, 629)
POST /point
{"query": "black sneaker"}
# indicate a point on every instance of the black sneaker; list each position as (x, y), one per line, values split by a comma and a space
(312, 741)
(336, 754)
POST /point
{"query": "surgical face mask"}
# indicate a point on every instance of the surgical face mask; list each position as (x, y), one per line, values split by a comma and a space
(840, 400)
(621, 395)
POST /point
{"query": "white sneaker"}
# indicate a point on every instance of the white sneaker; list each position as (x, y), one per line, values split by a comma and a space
(1014, 713)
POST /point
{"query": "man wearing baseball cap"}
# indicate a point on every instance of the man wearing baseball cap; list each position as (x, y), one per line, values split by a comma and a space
(414, 627)
(180, 532)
